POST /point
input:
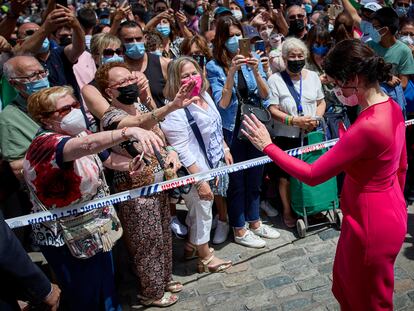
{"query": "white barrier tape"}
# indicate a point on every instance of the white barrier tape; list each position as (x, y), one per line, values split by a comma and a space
(119, 197)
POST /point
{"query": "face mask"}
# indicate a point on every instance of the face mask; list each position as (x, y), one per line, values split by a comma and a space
(296, 26)
(197, 87)
(157, 52)
(295, 66)
(232, 44)
(200, 10)
(45, 46)
(265, 34)
(366, 27)
(330, 27)
(237, 14)
(113, 59)
(65, 40)
(74, 122)
(347, 101)
(164, 30)
(105, 21)
(328, 1)
(308, 8)
(314, 2)
(401, 11)
(320, 50)
(135, 50)
(407, 40)
(200, 59)
(249, 9)
(34, 86)
(275, 40)
(128, 94)
(375, 35)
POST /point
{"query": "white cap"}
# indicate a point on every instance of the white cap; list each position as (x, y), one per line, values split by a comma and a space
(372, 6)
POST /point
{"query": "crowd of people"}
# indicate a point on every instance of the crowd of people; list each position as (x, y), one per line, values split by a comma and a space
(99, 97)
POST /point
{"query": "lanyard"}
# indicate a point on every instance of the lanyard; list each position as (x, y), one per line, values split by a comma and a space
(299, 102)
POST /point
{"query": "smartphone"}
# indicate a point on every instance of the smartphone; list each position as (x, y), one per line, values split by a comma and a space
(200, 59)
(176, 5)
(260, 46)
(244, 46)
(276, 4)
(62, 2)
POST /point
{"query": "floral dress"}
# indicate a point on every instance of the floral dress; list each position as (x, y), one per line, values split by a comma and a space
(145, 220)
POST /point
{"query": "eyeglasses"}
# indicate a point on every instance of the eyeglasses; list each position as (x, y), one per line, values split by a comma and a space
(65, 109)
(37, 75)
(297, 16)
(111, 52)
(403, 4)
(123, 82)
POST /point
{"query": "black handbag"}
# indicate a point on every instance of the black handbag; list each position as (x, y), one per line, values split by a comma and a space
(248, 108)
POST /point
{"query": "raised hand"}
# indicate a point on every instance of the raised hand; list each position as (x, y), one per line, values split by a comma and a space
(256, 132)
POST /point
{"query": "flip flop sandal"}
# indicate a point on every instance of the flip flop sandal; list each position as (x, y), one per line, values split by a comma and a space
(174, 287)
(204, 267)
(190, 251)
(167, 300)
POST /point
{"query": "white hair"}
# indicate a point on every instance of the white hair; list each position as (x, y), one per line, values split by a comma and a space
(9, 67)
(294, 43)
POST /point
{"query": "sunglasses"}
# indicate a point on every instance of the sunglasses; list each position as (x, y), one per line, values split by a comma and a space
(65, 109)
(403, 4)
(111, 52)
(297, 16)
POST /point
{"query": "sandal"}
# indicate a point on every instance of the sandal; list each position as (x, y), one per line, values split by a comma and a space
(174, 287)
(289, 223)
(165, 301)
(191, 252)
(203, 266)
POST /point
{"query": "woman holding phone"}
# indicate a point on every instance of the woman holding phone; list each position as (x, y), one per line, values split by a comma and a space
(234, 77)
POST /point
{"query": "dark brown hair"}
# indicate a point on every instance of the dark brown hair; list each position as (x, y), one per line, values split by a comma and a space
(350, 58)
(200, 41)
(343, 28)
(220, 53)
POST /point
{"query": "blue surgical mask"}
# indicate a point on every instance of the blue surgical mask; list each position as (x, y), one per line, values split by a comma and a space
(308, 8)
(45, 46)
(34, 86)
(375, 35)
(232, 44)
(112, 59)
(401, 11)
(200, 10)
(366, 27)
(164, 30)
(320, 50)
(135, 50)
(328, 1)
(330, 27)
(105, 21)
(314, 2)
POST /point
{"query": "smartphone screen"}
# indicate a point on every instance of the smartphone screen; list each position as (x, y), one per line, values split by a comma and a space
(244, 46)
(176, 5)
(260, 46)
(62, 2)
(276, 4)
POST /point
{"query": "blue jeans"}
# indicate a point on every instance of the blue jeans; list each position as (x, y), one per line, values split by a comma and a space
(87, 284)
(243, 194)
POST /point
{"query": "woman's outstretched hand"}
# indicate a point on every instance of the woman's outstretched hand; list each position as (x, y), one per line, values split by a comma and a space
(256, 132)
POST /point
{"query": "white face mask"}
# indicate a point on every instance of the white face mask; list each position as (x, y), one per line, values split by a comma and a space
(237, 14)
(351, 100)
(265, 34)
(74, 122)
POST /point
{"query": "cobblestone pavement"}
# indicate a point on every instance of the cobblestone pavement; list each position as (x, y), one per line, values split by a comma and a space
(289, 274)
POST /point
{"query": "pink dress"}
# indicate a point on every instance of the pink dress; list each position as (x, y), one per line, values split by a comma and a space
(372, 153)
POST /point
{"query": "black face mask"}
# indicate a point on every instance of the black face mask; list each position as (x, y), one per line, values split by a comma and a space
(65, 40)
(296, 26)
(295, 66)
(128, 94)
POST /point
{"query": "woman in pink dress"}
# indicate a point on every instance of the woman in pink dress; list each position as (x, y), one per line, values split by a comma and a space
(373, 155)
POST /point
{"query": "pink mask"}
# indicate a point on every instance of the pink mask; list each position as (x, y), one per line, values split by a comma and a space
(197, 87)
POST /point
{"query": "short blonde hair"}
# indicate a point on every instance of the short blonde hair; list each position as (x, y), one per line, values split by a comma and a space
(174, 76)
(101, 41)
(41, 103)
(293, 43)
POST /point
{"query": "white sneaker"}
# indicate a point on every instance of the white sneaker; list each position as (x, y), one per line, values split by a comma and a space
(222, 231)
(268, 208)
(214, 222)
(250, 240)
(177, 227)
(266, 231)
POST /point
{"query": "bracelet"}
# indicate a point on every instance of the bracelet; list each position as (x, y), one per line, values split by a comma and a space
(287, 120)
(123, 133)
(170, 148)
(226, 149)
(155, 117)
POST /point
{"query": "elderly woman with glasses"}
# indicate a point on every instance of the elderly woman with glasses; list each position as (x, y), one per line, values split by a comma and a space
(63, 167)
(146, 219)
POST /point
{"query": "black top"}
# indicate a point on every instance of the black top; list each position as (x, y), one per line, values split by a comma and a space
(156, 80)
(243, 91)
